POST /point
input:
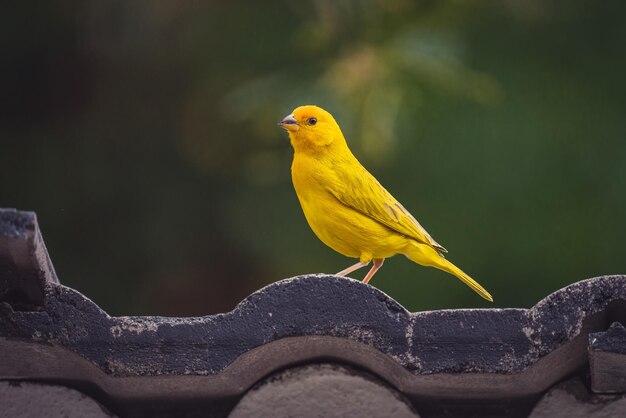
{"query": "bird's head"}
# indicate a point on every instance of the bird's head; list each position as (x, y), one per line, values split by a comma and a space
(311, 127)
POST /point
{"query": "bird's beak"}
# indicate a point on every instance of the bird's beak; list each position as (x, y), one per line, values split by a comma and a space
(289, 123)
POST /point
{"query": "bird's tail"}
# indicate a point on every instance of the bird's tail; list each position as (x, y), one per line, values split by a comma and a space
(427, 256)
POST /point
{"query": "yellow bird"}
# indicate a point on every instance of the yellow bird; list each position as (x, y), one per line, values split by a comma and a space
(347, 208)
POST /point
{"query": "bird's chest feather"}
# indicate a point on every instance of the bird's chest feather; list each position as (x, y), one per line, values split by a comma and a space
(310, 179)
(337, 225)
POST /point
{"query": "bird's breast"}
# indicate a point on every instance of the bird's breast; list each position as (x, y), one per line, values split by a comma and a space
(341, 227)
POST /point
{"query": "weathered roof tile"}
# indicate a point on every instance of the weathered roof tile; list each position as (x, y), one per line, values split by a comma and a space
(502, 357)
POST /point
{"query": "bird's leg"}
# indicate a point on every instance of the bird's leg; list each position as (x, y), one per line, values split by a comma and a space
(377, 264)
(350, 269)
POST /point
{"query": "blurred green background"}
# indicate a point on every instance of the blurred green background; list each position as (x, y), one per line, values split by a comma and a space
(144, 135)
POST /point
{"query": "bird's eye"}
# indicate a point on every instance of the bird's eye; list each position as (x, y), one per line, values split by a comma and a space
(312, 121)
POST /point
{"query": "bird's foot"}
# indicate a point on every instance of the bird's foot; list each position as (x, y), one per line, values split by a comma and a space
(352, 268)
(377, 264)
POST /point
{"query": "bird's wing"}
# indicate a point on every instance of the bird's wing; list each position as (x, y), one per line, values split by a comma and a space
(362, 192)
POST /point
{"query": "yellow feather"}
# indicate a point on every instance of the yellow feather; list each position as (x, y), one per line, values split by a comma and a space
(347, 208)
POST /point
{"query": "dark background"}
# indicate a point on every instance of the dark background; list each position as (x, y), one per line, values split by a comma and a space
(144, 136)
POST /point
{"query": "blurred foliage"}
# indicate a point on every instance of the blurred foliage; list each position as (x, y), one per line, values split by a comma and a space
(144, 135)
